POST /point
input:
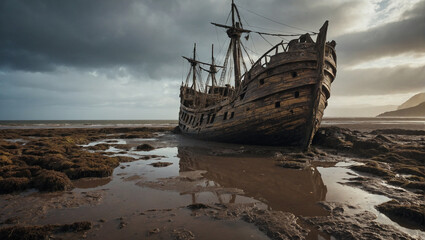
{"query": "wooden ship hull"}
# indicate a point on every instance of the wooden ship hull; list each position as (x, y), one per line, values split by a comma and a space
(279, 101)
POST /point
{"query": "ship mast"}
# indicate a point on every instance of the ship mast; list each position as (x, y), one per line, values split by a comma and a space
(234, 32)
(194, 63)
(235, 36)
(213, 70)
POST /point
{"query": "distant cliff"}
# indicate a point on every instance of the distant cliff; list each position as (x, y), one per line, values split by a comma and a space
(416, 111)
(413, 101)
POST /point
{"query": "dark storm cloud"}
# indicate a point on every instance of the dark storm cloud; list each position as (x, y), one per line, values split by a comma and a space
(41, 35)
(376, 81)
(405, 36)
(149, 36)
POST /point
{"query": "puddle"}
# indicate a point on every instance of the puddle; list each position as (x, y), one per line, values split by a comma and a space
(106, 141)
(288, 190)
(333, 176)
(15, 140)
(144, 168)
(210, 175)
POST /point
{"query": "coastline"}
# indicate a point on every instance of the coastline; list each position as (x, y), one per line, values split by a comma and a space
(46, 124)
(353, 123)
(129, 176)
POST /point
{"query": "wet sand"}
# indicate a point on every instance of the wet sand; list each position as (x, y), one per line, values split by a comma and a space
(138, 183)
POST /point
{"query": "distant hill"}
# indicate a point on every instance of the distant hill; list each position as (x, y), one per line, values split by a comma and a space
(413, 101)
(416, 111)
(358, 110)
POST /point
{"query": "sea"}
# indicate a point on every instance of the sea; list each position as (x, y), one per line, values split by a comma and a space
(32, 124)
(361, 124)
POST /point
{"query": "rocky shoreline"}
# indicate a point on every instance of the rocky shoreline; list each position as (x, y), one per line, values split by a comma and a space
(389, 162)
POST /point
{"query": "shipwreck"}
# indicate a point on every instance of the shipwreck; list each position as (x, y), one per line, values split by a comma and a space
(278, 100)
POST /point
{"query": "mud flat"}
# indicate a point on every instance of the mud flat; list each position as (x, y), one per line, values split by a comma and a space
(137, 183)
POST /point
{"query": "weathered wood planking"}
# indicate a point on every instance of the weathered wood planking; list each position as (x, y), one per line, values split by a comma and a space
(280, 102)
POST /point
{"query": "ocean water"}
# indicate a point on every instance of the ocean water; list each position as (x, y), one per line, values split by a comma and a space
(352, 123)
(31, 124)
(368, 124)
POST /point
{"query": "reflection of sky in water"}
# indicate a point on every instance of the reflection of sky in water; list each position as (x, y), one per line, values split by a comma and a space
(337, 192)
(115, 141)
(144, 167)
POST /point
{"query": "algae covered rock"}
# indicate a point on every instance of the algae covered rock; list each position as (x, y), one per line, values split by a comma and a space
(413, 214)
(50, 180)
(5, 160)
(82, 172)
(373, 168)
(161, 164)
(145, 147)
(42, 232)
(13, 184)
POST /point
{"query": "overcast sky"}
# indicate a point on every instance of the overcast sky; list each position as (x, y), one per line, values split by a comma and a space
(122, 59)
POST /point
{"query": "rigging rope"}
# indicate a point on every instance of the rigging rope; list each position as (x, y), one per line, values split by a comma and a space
(199, 79)
(280, 35)
(243, 61)
(272, 34)
(253, 45)
(272, 20)
(182, 70)
(252, 50)
(284, 39)
(261, 35)
(221, 45)
(250, 60)
(188, 77)
(230, 73)
(228, 16)
(269, 29)
(206, 83)
(227, 70)
(223, 73)
(239, 17)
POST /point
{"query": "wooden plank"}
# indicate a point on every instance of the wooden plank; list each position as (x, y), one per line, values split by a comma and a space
(281, 103)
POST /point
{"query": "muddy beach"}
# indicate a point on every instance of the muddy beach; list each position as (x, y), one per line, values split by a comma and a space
(151, 183)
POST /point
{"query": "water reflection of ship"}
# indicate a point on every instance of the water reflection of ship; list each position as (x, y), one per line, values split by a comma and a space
(219, 193)
(289, 190)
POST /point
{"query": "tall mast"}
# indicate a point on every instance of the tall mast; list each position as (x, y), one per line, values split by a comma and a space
(235, 36)
(212, 67)
(211, 72)
(194, 63)
(234, 32)
(233, 14)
